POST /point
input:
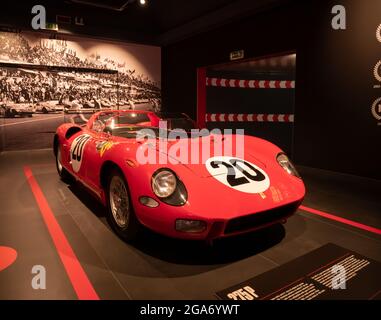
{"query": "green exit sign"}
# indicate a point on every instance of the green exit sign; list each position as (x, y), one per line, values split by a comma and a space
(51, 26)
(236, 55)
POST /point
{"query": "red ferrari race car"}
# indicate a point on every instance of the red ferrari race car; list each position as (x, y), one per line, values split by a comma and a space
(222, 196)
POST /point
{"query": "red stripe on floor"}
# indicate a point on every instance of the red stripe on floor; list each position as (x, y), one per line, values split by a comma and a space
(342, 220)
(7, 257)
(78, 278)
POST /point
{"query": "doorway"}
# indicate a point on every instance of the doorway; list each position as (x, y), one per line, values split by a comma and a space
(257, 95)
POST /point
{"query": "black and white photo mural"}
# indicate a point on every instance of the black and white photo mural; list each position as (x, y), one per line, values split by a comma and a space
(45, 82)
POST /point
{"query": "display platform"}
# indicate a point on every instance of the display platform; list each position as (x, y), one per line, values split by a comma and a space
(61, 228)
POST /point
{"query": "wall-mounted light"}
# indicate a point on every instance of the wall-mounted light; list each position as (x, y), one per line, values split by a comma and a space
(143, 2)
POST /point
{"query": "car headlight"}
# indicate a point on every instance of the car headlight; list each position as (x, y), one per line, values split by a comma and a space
(164, 183)
(287, 165)
(169, 188)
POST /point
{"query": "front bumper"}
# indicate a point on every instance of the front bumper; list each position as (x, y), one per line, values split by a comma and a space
(165, 222)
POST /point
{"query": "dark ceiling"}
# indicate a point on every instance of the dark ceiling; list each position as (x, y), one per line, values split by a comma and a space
(159, 22)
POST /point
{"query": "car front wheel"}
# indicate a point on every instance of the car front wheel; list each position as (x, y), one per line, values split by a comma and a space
(121, 215)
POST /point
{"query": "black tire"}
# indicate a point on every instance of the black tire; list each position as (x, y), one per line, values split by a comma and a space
(130, 230)
(62, 172)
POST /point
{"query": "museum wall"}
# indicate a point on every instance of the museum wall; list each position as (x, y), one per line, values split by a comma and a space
(1, 131)
(336, 85)
(47, 81)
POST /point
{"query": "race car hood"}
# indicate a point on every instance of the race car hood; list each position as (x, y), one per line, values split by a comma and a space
(264, 185)
(253, 149)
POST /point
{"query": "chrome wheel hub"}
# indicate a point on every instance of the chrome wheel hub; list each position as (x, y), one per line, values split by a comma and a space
(119, 202)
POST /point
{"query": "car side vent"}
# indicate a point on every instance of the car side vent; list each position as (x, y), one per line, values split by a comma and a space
(71, 132)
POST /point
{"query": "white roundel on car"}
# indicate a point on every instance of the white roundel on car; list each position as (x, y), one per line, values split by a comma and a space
(238, 174)
(76, 151)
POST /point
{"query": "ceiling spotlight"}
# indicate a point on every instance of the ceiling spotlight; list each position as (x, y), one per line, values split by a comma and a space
(142, 2)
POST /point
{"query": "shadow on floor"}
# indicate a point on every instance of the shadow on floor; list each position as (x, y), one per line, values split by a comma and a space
(82, 194)
(189, 252)
(222, 251)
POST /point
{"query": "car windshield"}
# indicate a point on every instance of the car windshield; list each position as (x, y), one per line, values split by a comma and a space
(131, 118)
(108, 121)
(133, 132)
(124, 118)
(180, 123)
(127, 122)
(177, 121)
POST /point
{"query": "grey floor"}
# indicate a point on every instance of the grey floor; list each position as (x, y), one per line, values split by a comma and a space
(157, 267)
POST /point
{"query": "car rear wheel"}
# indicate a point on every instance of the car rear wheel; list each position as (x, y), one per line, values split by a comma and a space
(62, 172)
(121, 215)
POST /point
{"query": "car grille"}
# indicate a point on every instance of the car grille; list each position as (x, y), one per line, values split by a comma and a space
(259, 219)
